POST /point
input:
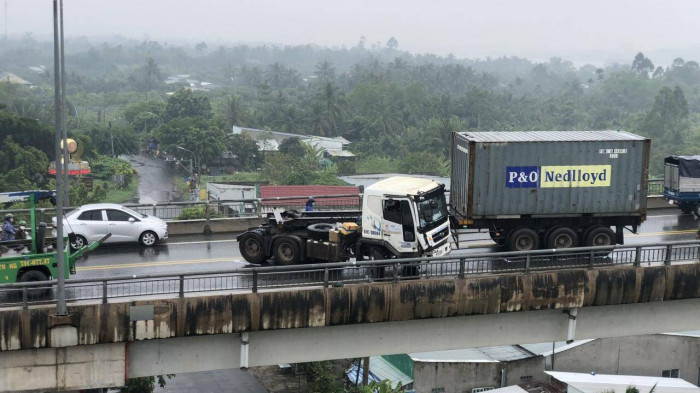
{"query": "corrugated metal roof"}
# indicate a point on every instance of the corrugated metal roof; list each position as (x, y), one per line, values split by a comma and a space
(548, 136)
(304, 192)
(379, 370)
(502, 353)
(592, 383)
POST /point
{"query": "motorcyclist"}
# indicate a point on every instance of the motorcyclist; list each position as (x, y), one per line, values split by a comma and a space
(8, 229)
(22, 232)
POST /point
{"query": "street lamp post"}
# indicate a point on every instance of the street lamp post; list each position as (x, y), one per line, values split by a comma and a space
(195, 159)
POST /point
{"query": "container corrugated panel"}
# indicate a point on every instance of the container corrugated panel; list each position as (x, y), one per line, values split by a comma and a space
(545, 173)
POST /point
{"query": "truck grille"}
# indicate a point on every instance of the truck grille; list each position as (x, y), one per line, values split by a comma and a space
(438, 236)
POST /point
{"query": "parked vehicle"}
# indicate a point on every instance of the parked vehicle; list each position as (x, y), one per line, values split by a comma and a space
(550, 189)
(682, 182)
(36, 263)
(400, 217)
(91, 222)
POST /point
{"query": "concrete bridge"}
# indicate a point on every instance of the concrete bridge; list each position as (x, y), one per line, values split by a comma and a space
(102, 344)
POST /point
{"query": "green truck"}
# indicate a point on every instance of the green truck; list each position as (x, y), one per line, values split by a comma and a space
(29, 260)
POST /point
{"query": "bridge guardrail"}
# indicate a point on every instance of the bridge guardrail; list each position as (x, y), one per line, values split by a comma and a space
(337, 274)
(249, 207)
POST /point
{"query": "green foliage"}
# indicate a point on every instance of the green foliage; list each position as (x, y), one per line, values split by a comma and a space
(104, 167)
(24, 167)
(346, 167)
(145, 384)
(245, 149)
(632, 389)
(204, 137)
(196, 213)
(375, 164)
(26, 132)
(99, 138)
(292, 147)
(184, 103)
(280, 168)
(424, 163)
(321, 378)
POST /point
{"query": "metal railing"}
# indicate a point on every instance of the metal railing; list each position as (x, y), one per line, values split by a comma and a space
(655, 187)
(338, 274)
(257, 207)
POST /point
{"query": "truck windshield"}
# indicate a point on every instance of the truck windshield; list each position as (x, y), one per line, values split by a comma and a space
(432, 211)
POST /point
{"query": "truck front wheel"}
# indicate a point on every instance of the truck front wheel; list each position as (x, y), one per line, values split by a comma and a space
(523, 239)
(252, 248)
(286, 252)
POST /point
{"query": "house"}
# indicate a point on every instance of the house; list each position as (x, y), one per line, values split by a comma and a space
(8, 77)
(269, 141)
(595, 383)
(269, 193)
(474, 370)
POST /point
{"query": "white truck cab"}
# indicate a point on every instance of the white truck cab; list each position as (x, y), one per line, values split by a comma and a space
(408, 216)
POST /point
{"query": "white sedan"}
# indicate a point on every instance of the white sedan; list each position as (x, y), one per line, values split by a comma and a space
(90, 223)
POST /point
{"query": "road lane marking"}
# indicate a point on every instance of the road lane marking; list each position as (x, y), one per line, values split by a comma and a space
(155, 264)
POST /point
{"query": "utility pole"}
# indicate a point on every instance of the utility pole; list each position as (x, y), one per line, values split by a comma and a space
(5, 19)
(60, 246)
(64, 122)
(111, 136)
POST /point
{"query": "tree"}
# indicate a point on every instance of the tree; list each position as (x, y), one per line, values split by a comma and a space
(144, 384)
(292, 147)
(235, 111)
(325, 71)
(204, 137)
(201, 47)
(244, 148)
(392, 43)
(24, 167)
(669, 113)
(184, 103)
(642, 65)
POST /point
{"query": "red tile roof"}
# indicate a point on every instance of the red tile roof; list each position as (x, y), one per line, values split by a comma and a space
(304, 192)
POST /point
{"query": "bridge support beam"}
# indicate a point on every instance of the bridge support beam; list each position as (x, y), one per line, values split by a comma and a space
(223, 351)
(571, 331)
(68, 368)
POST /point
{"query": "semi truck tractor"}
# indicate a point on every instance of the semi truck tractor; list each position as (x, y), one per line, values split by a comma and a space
(682, 182)
(549, 189)
(401, 217)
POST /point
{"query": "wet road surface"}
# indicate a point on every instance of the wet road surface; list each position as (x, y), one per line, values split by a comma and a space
(220, 252)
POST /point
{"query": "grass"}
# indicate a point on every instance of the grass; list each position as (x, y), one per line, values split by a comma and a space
(116, 195)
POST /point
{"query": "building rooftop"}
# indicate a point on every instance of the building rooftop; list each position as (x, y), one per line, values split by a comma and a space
(595, 383)
(549, 136)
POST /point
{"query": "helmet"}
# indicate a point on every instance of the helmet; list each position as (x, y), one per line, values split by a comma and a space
(311, 199)
(8, 216)
(22, 222)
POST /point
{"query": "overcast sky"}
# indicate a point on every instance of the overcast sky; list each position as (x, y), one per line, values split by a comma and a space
(591, 30)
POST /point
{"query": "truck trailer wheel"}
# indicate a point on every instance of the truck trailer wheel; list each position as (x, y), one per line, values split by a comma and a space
(286, 251)
(562, 237)
(252, 247)
(319, 231)
(696, 210)
(600, 236)
(523, 239)
(374, 253)
(686, 207)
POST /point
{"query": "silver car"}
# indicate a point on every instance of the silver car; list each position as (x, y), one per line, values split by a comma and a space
(90, 223)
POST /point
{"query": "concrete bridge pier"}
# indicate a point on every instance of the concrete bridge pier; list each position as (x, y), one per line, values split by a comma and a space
(71, 366)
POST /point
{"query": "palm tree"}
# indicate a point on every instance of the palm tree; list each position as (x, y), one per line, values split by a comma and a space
(151, 74)
(333, 103)
(235, 111)
(325, 71)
